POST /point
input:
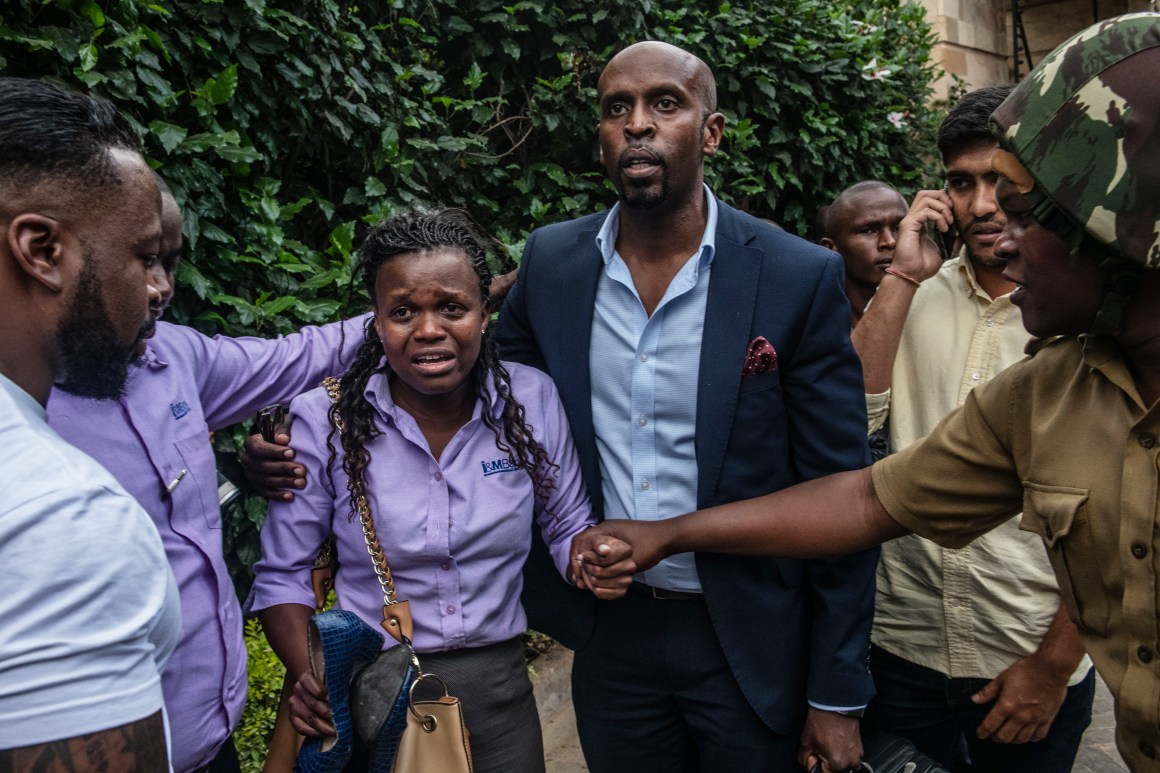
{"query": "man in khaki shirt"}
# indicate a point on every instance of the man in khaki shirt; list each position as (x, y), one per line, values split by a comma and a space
(973, 651)
(1069, 435)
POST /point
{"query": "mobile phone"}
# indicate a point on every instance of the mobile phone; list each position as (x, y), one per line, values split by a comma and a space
(270, 419)
(945, 241)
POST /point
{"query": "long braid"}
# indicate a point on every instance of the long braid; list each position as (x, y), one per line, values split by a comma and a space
(418, 232)
(354, 411)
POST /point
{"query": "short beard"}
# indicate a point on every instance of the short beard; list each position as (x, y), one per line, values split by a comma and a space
(94, 363)
(992, 261)
(644, 199)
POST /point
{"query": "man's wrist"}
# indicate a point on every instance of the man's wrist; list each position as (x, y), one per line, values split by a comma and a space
(903, 275)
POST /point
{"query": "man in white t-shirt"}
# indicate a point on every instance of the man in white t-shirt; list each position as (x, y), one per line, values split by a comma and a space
(89, 610)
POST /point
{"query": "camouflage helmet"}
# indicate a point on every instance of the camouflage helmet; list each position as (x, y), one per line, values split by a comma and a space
(1085, 123)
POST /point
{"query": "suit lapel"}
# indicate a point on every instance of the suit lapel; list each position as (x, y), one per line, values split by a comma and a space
(728, 320)
(578, 280)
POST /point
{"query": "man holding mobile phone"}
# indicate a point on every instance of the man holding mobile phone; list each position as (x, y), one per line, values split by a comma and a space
(973, 653)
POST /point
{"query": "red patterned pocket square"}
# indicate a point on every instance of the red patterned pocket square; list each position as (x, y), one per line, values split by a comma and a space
(760, 358)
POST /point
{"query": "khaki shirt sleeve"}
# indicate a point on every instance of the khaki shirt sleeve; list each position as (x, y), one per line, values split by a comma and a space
(960, 481)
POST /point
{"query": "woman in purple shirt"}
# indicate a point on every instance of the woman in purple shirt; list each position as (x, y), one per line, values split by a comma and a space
(458, 453)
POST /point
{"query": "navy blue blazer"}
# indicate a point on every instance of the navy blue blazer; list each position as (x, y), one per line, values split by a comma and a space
(790, 629)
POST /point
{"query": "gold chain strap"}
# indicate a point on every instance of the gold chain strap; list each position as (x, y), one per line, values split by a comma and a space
(397, 622)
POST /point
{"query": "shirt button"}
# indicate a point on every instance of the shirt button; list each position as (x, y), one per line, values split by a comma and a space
(1139, 549)
(451, 610)
(1144, 654)
(1148, 750)
(644, 485)
(976, 376)
(642, 421)
(1147, 439)
(644, 356)
(988, 322)
(445, 565)
(438, 476)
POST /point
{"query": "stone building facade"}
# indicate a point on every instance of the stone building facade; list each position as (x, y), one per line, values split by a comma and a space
(976, 36)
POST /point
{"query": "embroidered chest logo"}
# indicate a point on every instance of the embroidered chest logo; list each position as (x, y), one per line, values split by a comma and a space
(179, 409)
(499, 465)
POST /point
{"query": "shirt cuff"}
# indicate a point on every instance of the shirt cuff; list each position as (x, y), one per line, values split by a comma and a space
(824, 707)
(877, 411)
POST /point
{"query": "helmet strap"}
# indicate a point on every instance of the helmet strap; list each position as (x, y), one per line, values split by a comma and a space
(1123, 280)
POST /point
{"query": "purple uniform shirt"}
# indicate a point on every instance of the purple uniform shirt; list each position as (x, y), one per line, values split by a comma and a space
(189, 385)
(455, 531)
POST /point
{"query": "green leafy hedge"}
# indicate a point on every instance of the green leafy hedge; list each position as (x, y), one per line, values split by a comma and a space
(286, 126)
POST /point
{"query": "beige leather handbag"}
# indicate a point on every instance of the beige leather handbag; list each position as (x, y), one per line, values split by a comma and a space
(435, 740)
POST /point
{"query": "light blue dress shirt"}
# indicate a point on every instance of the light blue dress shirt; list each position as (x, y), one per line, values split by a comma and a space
(644, 392)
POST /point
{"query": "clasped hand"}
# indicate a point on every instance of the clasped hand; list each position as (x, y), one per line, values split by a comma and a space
(605, 557)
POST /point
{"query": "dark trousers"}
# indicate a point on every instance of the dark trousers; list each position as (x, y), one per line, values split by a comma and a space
(226, 760)
(937, 715)
(653, 692)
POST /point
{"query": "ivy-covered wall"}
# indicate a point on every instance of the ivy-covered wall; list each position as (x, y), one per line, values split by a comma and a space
(285, 126)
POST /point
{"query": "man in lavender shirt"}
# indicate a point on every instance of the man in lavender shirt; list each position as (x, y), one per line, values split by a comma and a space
(155, 440)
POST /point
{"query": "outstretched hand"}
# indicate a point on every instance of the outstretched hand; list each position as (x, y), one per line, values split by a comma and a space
(270, 467)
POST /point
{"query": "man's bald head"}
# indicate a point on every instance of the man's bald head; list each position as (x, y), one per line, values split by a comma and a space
(840, 207)
(862, 226)
(677, 63)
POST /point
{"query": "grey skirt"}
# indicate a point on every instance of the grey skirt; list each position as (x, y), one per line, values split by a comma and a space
(498, 706)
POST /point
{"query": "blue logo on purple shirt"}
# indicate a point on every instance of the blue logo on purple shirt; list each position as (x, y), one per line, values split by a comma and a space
(179, 409)
(499, 465)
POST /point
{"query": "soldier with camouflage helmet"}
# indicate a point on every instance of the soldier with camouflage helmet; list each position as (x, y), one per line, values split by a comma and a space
(952, 675)
(1070, 436)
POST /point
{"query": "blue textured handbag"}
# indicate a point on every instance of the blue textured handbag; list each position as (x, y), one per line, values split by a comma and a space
(367, 690)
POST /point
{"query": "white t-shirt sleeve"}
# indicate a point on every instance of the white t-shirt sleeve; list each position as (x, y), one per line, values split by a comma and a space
(88, 605)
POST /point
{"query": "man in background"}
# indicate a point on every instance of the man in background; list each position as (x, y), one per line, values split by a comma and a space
(861, 225)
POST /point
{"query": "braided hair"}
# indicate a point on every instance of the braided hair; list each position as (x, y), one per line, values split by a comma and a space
(416, 232)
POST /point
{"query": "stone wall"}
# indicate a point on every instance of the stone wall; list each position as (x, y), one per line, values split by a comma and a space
(975, 35)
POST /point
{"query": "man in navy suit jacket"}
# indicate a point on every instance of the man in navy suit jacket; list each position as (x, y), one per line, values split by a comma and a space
(702, 357)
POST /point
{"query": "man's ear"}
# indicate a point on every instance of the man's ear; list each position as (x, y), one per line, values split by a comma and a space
(35, 242)
(714, 128)
(828, 243)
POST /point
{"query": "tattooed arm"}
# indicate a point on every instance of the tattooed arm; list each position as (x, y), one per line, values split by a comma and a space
(138, 747)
